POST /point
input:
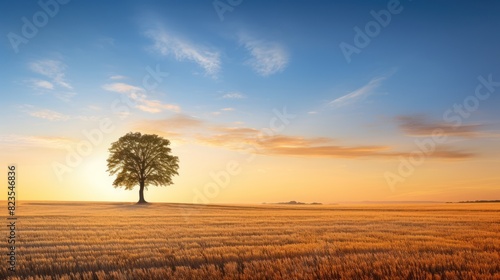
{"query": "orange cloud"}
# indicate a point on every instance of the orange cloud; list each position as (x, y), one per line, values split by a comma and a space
(255, 141)
(177, 121)
(170, 127)
(418, 126)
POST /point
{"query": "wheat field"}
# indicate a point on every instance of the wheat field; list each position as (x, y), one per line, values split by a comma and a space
(82, 240)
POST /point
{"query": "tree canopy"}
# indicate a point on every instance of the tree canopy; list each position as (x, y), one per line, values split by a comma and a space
(143, 160)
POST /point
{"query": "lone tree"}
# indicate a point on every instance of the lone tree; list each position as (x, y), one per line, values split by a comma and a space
(141, 159)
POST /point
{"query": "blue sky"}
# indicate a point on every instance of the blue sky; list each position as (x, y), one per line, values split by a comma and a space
(237, 69)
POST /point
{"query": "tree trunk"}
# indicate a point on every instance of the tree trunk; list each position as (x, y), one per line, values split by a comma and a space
(141, 193)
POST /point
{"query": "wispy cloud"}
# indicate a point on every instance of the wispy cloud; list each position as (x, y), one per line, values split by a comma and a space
(167, 44)
(64, 96)
(45, 114)
(41, 84)
(267, 57)
(138, 95)
(49, 115)
(418, 125)
(123, 88)
(156, 106)
(223, 110)
(117, 77)
(50, 142)
(42, 87)
(233, 95)
(52, 69)
(357, 94)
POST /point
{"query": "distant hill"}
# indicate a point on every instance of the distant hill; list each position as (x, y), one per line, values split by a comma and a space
(293, 202)
(397, 202)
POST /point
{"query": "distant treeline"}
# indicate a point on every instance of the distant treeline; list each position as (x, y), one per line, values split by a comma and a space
(480, 201)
